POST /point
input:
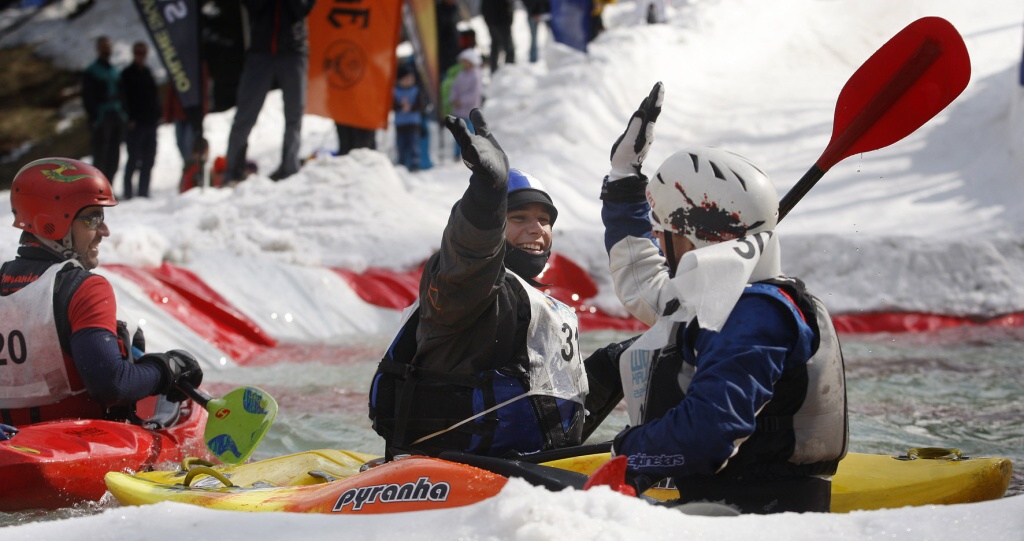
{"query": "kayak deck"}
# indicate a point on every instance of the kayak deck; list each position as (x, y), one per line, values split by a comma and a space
(60, 463)
(318, 481)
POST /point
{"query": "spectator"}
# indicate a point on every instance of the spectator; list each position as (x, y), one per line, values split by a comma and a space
(84, 364)
(537, 11)
(220, 166)
(466, 92)
(597, 18)
(651, 11)
(498, 16)
(194, 172)
(143, 108)
(408, 117)
(188, 124)
(278, 53)
(101, 98)
(223, 38)
(351, 137)
(448, 48)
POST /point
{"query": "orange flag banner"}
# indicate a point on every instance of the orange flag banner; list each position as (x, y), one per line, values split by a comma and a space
(352, 60)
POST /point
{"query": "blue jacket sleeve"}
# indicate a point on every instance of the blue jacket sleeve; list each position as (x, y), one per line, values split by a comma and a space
(109, 378)
(623, 220)
(736, 369)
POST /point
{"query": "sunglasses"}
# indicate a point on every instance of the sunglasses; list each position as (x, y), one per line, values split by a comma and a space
(92, 221)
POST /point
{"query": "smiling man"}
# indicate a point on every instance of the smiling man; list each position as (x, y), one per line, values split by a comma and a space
(485, 362)
(67, 356)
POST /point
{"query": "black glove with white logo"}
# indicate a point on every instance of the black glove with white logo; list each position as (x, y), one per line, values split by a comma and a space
(176, 367)
(625, 182)
(480, 151)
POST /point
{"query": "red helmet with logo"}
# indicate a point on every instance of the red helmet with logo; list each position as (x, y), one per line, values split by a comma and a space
(47, 194)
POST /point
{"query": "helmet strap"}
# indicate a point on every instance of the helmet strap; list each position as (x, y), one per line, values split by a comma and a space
(670, 253)
(65, 248)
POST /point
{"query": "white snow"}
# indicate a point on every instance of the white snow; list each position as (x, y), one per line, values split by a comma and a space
(932, 223)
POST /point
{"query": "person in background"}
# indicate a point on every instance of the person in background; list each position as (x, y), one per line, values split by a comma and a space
(188, 123)
(485, 362)
(448, 18)
(194, 172)
(498, 15)
(537, 11)
(101, 97)
(143, 109)
(650, 11)
(351, 137)
(737, 392)
(467, 89)
(408, 117)
(597, 18)
(74, 359)
(278, 53)
(222, 34)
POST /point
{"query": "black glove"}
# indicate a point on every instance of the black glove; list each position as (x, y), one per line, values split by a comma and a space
(176, 366)
(480, 152)
(605, 393)
(625, 182)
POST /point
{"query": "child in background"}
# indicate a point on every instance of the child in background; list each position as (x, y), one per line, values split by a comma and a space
(195, 167)
(408, 106)
(467, 90)
(220, 166)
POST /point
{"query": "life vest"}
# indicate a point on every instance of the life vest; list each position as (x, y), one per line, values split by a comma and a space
(493, 412)
(38, 379)
(803, 430)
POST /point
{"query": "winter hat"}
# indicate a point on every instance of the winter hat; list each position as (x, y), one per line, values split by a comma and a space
(524, 188)
(471, 55)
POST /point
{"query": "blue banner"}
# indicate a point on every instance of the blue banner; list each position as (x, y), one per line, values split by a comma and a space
(570, 22)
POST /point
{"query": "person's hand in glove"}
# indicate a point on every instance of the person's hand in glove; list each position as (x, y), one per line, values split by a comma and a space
(480, 151)
(624, 180)
(176, 367)
(7, 432)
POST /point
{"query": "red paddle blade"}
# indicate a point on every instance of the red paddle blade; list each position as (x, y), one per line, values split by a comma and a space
(611, 474)
(906, 82)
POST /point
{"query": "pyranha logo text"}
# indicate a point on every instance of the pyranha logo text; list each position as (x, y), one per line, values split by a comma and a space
(420, 491)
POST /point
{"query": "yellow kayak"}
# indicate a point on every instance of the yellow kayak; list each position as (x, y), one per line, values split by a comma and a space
(333, 481)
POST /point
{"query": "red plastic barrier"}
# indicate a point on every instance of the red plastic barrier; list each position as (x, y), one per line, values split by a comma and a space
(385, 288)
(192, 302)
(874, 322)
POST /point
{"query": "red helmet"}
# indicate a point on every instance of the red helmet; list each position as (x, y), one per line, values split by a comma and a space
(47, 194)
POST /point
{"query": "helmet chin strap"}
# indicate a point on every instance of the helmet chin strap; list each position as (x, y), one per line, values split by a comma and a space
(65, 247)
(670, 253)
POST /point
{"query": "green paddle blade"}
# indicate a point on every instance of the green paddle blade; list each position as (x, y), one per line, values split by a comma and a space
(238, 422)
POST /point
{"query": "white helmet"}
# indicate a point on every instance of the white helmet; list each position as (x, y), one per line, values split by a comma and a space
(709, 195)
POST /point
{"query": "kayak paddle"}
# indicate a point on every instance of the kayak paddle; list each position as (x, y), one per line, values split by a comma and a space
(237, 422)
(905, 83)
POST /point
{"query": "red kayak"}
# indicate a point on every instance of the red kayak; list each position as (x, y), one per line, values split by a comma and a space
(60, 463)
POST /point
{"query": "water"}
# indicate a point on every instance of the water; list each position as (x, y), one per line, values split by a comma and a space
(955, 388)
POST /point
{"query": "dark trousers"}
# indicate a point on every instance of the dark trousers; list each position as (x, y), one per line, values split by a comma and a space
(141, 144)
(350, 137)
(106, 136)
(258, 76)
(408, 142)
(501, 42)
